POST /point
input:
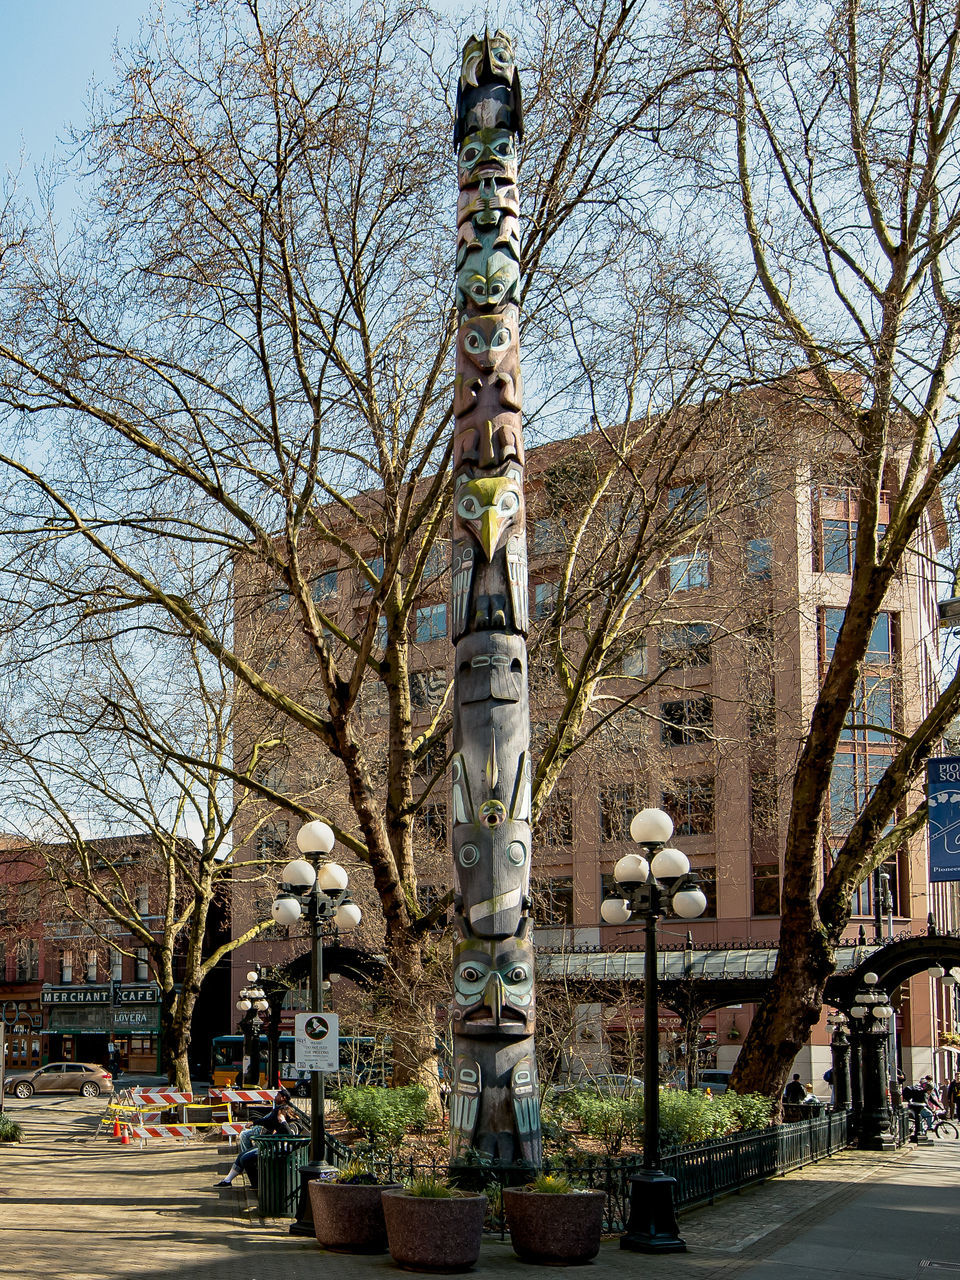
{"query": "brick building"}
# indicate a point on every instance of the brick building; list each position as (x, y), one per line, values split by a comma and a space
(718, 669)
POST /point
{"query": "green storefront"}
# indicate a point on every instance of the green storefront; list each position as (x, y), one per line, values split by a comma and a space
(91, 1023)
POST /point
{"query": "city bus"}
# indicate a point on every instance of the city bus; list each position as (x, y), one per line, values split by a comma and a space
(363, 1060)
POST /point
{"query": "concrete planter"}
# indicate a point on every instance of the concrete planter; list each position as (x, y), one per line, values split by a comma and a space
(348, 1216)
(559, 1230)
(424, 1234)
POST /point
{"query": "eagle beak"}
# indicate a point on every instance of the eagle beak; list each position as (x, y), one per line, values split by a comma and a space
(490, 525)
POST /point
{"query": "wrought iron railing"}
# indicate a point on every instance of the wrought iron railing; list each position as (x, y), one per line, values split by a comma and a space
(703, 1171)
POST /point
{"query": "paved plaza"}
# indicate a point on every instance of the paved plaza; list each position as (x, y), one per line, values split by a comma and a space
(72, 1206)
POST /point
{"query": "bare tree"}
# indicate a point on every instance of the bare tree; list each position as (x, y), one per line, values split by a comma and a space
(244, 358)
(113, 756)
(827, 141)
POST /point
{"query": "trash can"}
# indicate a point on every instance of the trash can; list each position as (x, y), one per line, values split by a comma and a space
(278, 1174)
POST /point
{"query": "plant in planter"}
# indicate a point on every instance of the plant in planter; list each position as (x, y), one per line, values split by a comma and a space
(433, 1227)
(553, 1222)
(348, 1210)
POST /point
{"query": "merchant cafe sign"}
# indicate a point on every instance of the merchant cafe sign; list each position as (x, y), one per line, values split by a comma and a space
(109, 1007)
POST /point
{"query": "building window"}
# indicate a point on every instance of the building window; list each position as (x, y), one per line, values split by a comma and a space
(838, 540)
(66, 966)
(380, 639)
(852, 780)
(376, 568)
(685, 645)
(437, 559)
(271, 839)
(116, 965)
(686, 721)
(759, 558)
(766, 889)
(687, 572)
(708, 883)
(90, 971)
(324, 587)
(634, 661)
(544, 599)
(142, 969)
(691, 804)
(430, 623)
(555, 826)
(431, 822)
(277, 600)
(548, 535)
(143, 900)
(764, 818)
(762, 708)
(431, 761)
(428, 896)
(553, 900)
(28, 960)
(618, 806)
(427, 689)
(689, 501)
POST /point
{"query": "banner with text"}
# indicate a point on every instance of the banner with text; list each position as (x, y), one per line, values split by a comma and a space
(943, 797)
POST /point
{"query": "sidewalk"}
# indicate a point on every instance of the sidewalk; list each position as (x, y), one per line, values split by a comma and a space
(100, 1211)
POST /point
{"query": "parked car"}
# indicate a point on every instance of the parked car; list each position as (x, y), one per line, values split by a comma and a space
(85, 1078)
(715, 1081)
(605, 1083)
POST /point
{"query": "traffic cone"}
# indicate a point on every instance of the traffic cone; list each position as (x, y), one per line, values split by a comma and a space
(116, 1126)
(124, 1136)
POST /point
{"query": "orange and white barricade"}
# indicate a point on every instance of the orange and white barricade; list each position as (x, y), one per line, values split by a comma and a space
(246, 1095)
(161, 1097)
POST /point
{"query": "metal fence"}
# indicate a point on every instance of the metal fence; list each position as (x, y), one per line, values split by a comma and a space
(703, 1171)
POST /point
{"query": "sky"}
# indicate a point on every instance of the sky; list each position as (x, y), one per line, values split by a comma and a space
(50, 53)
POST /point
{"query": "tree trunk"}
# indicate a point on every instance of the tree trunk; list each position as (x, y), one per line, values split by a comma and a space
(176, 1012)
(791, 1008)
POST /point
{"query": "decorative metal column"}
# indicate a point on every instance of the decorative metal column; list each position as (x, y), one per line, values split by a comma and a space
(494, 1104)
(840, 1061)
(874, 1121)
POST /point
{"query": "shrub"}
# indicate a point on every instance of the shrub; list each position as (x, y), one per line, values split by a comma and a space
(749, 1110)
(383, 1115)
(10, 1131)
(694, 1117)
(610, 1120)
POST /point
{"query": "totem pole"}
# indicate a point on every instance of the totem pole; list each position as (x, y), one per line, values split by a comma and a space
(495, 1101)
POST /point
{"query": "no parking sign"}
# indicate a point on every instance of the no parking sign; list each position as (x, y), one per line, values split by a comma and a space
(317, 1042)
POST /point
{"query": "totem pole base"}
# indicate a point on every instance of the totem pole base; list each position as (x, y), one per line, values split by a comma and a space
(653, 1220)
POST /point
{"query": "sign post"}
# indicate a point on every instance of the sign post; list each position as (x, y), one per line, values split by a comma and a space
(317, 1044)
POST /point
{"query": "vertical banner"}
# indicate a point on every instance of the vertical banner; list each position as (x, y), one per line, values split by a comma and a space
(943, 824)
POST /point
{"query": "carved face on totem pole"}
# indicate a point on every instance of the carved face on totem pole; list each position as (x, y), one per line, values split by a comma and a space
(491, 345)
(489, 507)
(501, 62)
(488, 280)
(493, 987)
(488, 153)
(491, 840)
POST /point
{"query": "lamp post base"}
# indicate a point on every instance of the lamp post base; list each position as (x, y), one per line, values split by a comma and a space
(303, 1225)
(653, 1220)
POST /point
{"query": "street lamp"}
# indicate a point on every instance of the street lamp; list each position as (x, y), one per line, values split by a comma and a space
(870, 1011)
(252, 1001)
(839, 1059)
(318, 890)
(652, 885)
